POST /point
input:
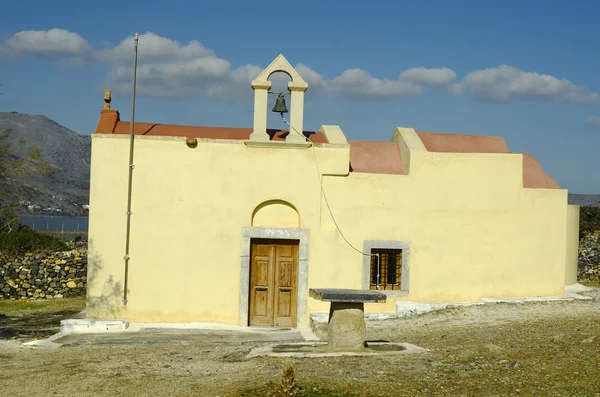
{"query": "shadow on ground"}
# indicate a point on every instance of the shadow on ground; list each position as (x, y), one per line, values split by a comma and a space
(33, 326)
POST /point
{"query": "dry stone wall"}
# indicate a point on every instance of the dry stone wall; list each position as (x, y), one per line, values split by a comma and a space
(589, 257)
(39, 276)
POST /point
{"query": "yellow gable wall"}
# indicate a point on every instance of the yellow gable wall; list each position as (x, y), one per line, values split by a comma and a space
(474, 231)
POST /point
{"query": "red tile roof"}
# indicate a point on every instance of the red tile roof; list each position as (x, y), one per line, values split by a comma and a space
(110, 123)
(534, 176)
(459, 143)
(375, 157)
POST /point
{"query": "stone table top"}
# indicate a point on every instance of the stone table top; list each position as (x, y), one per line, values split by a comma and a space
(347, 295)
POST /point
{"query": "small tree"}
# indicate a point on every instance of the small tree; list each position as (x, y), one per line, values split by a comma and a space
(13, 169)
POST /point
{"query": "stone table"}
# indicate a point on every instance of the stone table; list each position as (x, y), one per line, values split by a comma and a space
(347, 330)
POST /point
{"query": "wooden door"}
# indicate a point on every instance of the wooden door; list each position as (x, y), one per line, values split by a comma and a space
(273, 275)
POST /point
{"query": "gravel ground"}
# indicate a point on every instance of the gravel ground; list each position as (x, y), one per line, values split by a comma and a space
(543, 349)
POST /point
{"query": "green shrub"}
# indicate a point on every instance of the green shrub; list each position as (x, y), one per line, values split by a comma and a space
(26, 240)
(589, 220)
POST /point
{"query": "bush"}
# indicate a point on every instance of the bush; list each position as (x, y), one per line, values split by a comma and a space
(287, 385)
(26, 240)
(589, 220)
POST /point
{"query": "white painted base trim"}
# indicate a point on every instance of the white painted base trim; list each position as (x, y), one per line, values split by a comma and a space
(82, 326)
(411, 308)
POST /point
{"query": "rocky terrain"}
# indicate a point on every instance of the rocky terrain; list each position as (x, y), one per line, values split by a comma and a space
(65, 190)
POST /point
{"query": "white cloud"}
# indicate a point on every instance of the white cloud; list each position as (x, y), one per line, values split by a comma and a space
(153, 48)
(436, 77)
(359, 83)
(168, 68)
(57, 42)
(236, 84)
(455, 89)
(313, 78)
(170, 79)
(594, 121)
(504, 83)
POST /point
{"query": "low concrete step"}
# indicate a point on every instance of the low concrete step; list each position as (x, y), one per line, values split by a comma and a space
(78, 326)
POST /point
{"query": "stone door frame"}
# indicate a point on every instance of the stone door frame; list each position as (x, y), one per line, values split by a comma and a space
(302, 235)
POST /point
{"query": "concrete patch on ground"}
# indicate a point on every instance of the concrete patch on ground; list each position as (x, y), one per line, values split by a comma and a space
(156, 334)
(48, 343)
(574, 288)
(574, 291)
(90, 326)
(320, 350)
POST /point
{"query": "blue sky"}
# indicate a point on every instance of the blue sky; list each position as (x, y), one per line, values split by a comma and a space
(526, 71)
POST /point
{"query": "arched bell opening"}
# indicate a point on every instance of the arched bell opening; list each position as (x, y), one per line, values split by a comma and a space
(279, 104)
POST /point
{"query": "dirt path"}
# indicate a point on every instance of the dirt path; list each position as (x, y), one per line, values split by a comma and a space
(544, 349)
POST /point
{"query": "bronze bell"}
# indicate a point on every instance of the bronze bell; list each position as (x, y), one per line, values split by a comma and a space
(280, 104)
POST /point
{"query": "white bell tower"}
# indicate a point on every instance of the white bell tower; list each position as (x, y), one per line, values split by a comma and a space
(297, 87)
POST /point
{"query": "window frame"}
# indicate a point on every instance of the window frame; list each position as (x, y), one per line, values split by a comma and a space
(390, 264)
(370, 245)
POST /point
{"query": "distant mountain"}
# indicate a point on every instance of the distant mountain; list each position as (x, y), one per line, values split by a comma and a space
(584, 200)
(65, 191)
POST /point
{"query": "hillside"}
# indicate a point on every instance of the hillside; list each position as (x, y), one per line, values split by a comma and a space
(584, 199)
(65, 191)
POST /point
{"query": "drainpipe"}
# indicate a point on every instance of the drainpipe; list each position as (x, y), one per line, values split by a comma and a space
(131, 167)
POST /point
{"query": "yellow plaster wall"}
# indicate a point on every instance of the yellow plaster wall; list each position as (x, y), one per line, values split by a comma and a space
(275, 213)
(572, 244)
(189, 205)
(474, 231)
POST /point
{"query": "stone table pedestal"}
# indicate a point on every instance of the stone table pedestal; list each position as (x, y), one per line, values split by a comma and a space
(347, 330)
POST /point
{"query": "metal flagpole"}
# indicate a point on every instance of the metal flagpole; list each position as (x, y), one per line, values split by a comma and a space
(131, 167)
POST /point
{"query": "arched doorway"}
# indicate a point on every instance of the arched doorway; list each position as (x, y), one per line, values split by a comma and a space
(274, 268)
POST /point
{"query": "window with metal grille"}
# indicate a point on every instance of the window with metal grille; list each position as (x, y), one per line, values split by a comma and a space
(386, 269)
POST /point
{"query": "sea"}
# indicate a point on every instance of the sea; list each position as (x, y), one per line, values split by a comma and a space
(56, 223)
